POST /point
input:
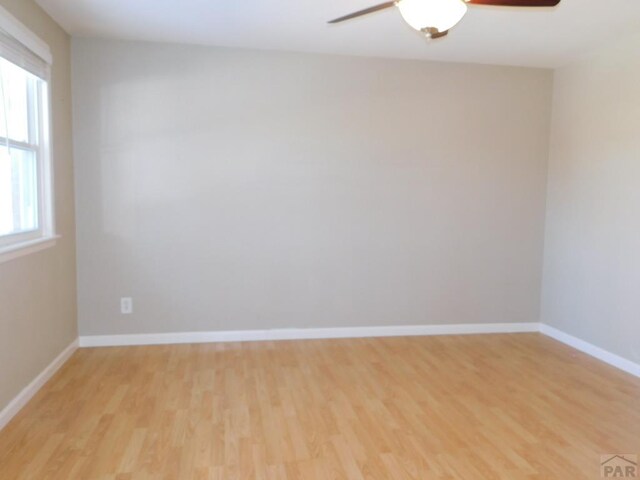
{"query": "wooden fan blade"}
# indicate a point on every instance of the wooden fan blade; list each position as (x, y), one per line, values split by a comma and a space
(439, 34)
(515, 3)
(366, 11)
(432, 32)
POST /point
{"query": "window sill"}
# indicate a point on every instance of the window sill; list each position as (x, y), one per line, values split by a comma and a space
(11, 252)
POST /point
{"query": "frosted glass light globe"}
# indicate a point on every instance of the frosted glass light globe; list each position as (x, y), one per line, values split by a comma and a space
(427, 14)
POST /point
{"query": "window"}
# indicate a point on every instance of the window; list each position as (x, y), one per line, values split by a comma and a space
(26, 214)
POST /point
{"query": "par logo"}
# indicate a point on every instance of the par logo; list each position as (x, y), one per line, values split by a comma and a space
(619, 466)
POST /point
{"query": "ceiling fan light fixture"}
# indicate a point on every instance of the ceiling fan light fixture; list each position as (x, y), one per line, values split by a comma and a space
(427, 15)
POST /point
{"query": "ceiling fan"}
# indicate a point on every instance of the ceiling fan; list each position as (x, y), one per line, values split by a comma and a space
(435, 18)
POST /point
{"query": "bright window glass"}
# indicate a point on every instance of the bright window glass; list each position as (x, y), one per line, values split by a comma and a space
(17, 88)
(20, 163)
(18, 191)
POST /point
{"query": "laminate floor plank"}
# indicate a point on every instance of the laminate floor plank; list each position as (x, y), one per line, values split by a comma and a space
(512, 407)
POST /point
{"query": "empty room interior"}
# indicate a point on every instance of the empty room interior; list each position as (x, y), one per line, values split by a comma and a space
(332, 240)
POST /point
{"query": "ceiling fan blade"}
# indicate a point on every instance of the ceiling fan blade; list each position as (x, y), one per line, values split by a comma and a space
(432, 32)
(366, 11)
(439, 34)
(515, 3)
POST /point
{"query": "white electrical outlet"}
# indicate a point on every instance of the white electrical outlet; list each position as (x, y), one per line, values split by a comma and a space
(126, 305)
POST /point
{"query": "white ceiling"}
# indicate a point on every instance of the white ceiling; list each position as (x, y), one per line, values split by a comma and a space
(512, 36)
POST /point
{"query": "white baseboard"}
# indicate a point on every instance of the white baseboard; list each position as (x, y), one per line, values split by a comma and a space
(30, 390)
(358, 332)
(302, 334)
(590, 349)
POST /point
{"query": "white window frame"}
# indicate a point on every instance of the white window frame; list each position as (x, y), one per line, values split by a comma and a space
(23, 243)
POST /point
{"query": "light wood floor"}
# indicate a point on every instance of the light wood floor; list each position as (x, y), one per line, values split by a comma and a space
(461, 407)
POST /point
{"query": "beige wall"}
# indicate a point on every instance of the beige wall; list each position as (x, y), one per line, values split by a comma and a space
(229, 189)
(592, 255)
(38, 292)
